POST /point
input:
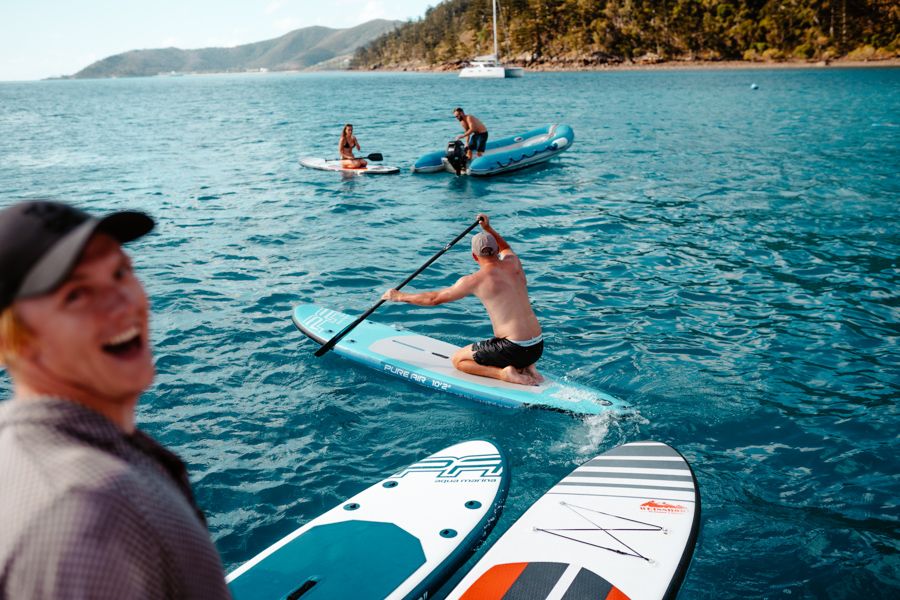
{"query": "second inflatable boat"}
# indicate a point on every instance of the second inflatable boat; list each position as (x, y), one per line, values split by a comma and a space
(502, 155)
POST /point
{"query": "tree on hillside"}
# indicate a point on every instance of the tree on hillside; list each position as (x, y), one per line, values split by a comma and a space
(596, 31)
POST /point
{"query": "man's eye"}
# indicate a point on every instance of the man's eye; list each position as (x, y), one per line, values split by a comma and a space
(74, 295)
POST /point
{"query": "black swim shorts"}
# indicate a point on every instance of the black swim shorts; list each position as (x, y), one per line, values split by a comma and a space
(477, 142)
(500, 352)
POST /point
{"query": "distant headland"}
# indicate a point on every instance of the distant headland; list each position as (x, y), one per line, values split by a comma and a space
(309, 48)
(550, 35)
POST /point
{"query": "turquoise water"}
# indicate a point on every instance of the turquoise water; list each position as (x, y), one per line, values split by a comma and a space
(724, 259)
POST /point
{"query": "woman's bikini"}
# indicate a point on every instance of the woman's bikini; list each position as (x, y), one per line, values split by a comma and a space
(349, 148)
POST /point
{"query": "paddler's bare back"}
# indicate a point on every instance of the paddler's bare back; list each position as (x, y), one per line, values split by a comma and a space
(500, 284)
(503, 292)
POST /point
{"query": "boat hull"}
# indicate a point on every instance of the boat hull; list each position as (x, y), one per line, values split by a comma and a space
(483, 73)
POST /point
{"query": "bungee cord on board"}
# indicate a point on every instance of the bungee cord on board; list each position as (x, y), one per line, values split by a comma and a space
(606, 530)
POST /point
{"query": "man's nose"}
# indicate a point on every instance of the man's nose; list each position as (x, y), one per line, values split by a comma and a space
(119, 297)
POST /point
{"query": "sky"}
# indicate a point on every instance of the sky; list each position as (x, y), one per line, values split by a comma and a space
(49, 38)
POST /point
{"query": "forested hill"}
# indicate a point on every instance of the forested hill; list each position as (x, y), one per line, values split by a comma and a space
(307, 48)
(573, 33)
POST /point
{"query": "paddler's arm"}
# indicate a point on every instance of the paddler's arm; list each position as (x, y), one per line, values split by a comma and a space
(462, 288)
(486, 226)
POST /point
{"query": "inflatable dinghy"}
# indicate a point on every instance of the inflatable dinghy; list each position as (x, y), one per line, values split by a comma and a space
(502, 155)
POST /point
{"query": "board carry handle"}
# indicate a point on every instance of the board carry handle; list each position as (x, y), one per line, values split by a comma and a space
(376, 156)
(307, 585)
(331, 343)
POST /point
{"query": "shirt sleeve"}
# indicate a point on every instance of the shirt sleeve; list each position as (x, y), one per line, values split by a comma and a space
(88, 545)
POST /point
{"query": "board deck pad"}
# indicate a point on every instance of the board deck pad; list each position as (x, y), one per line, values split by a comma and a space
(321, 164)
(400, 538)
(621, 526)
(426, 361)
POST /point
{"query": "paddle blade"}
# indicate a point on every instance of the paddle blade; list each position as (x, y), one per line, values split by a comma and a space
(375, 156)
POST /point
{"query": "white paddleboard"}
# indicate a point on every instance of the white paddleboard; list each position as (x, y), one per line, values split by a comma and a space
(401, 538)
(335, 165)
(622, 525)
(426, 361)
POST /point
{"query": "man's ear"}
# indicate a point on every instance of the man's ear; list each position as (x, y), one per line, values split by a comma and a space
(16, 339)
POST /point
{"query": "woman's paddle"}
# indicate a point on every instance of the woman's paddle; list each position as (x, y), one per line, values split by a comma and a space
(376, 156)
(330, 343)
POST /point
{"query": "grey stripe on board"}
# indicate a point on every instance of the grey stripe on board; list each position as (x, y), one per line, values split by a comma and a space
(587, 585)
(654, 450)
(535, 581)
(645, 476)
(678, 465)
(625, 485)
(617, 496)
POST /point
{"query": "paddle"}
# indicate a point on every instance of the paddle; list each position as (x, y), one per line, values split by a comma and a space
(374, 156)
(331, 343)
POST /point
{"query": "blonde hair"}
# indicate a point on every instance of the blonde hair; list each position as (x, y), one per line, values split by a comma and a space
(14, 334)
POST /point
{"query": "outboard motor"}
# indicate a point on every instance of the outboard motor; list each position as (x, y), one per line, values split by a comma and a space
(456, 156)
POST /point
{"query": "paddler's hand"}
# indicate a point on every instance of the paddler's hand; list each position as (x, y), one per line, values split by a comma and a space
(391, 295)
(484, 219)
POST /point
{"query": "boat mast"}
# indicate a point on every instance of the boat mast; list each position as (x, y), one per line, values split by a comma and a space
(496, 53)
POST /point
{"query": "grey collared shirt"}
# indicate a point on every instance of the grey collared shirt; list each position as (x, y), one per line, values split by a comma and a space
(87, 511)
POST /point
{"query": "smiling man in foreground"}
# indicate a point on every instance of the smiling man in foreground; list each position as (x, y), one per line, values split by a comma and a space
(91, 506)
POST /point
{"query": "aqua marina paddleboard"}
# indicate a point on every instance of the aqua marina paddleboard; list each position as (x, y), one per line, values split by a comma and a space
(401, 538)
(335, 165)
(621, 526)
(426, 361)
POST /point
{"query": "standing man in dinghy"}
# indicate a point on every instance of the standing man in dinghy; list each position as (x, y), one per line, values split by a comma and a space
(500, 284)
(476, 133)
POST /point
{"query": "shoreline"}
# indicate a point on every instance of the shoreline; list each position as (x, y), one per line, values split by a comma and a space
(675, 65)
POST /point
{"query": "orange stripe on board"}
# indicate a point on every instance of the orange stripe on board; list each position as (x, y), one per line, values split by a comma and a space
(616, 594)
(495, 582)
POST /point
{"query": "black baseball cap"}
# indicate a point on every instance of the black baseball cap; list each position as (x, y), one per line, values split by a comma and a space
(41, 240)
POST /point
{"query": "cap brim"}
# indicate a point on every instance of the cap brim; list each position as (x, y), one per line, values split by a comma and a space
(126, 226)
(54, 267)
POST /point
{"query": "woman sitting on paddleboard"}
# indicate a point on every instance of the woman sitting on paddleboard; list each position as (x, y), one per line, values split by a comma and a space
(346, 146)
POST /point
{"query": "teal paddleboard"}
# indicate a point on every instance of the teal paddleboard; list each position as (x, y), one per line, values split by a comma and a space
(426, 361)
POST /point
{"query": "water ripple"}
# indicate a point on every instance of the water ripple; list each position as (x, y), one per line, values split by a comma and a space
(727, 264)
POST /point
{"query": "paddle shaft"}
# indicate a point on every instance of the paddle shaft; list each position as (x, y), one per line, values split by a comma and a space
(331, 343)
(376, 156)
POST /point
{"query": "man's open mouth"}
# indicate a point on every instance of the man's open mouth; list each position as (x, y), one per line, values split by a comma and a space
(126, 344)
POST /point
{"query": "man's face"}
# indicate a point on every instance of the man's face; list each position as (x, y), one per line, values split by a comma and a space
(459, 116)
(90, 336)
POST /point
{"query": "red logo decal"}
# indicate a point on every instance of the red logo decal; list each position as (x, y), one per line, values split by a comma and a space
(662, 507)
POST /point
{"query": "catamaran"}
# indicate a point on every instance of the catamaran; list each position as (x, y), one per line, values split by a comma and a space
(489, 66)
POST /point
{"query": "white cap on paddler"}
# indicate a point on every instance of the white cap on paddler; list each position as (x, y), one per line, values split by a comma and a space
(484, 244)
